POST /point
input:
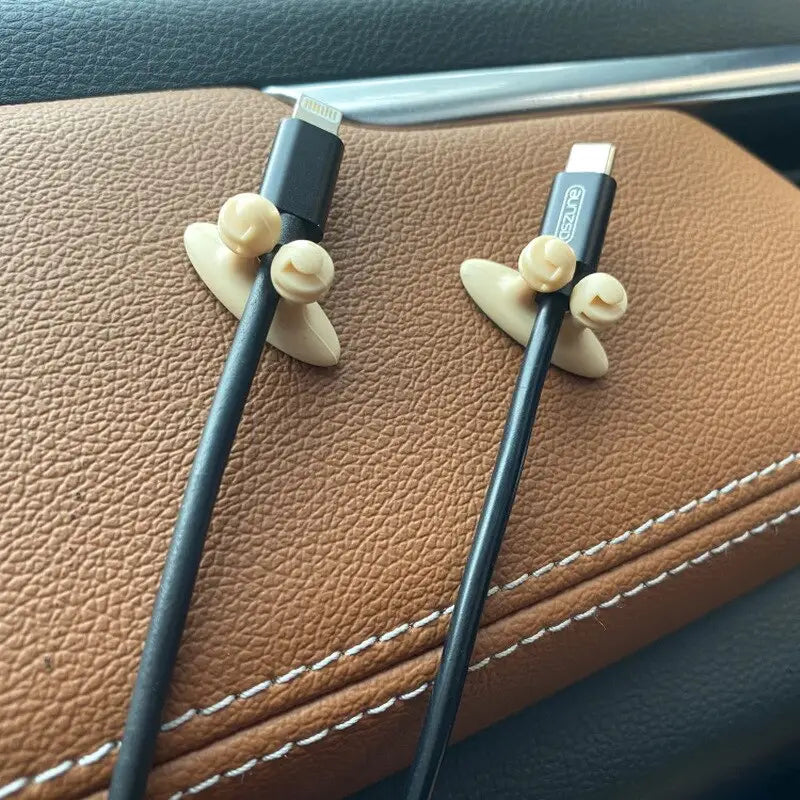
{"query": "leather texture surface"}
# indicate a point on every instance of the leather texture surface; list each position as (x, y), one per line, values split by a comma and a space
(650, 497)
(51, 49)
(694, 715)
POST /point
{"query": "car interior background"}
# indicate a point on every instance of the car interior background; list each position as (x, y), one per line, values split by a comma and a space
(642, 631)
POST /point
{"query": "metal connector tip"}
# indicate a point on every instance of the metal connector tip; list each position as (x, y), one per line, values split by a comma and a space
(591, 158)
(317, 113)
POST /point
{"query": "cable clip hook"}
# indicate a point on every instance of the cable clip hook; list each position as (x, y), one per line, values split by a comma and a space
(547, 264)
(226, 256)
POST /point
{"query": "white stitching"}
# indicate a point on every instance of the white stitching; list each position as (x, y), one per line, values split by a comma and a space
(760, 528)
(218, 706)
(590, 551)
(54, 772)
(414, 692)
(206, 784)
(315, 737)
(290, 675)
(348, 722)
(101, 752)
(13, 787)
(621, 538)
(251, 692)
(570, 558)
(396, 632)
(640, 587)
(323, 662)
(432, 617)
(529, 639)
(19, 783)
(357, 648)
(379, 709)
(279, 753)
(513, 584)
(611, 602)
(178, 721)
(236, 771)
(507, 652)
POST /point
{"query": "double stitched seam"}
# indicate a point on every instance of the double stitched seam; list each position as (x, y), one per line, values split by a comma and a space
(526, 641)
(104, 750)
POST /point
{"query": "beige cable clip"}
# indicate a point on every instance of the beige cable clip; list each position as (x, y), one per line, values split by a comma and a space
(225, 256)
(547, 264)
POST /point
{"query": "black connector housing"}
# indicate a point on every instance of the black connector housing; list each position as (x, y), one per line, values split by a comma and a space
(577, 212)
(301, 173)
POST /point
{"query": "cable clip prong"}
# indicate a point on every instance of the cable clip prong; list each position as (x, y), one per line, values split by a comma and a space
(226, 255)
(547, 264)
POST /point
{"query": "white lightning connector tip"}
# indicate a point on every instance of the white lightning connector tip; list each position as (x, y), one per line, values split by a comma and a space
(315, 112)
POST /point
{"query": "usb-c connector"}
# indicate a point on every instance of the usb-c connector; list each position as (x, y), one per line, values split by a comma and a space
(579, 205)
(592, 157)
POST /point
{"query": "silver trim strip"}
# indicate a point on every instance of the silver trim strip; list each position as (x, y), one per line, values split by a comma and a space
(464, 94)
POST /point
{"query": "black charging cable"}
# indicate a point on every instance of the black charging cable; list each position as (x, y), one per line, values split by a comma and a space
(577, 212)
(299, 179)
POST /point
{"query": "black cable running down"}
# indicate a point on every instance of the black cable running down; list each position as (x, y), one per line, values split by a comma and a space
(449, 683)
(301, 187)
(577, 211)
(171, 606)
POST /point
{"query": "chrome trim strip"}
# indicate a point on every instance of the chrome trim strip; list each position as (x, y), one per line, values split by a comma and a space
(464, 94)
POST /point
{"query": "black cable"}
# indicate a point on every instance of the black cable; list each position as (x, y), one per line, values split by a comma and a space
(449, 683)
(171, 606)
(577, 211)
(302, 193)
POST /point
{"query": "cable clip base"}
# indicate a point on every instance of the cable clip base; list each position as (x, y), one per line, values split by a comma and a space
(547, 264)
(226, 255)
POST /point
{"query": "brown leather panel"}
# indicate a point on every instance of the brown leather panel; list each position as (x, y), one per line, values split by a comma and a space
(702, 570)
(351, 497)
